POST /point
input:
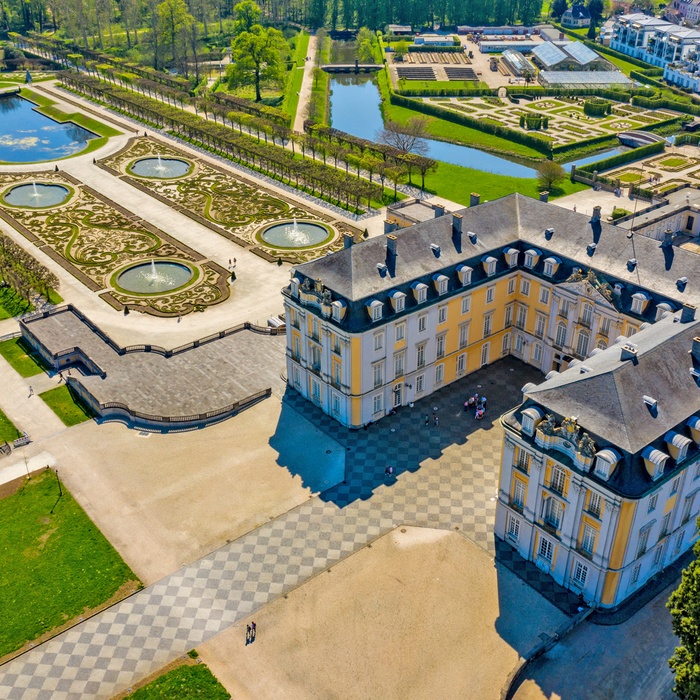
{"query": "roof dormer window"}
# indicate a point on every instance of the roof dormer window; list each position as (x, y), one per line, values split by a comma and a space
(398, 301)
(420, 291)
(375, 309)
(605, 462)
(677, 445)
(338, 309)
(654, 461)
(294, 287)
(639, 302)
(464, 273)
(532, 256)
(551, 265)
(511, 256)
(532, 416)
(489, 263)
(441, 283)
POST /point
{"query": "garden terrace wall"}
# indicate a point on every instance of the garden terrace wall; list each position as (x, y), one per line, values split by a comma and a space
(664, 103)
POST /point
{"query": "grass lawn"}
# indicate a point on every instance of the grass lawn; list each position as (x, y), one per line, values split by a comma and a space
(8, 430)
(16, 353)
(12, 304)
(183, 683)
(66, 406)
(455, 182)
(674, 162)
(448, 131)
(630, 177)
(55, 565)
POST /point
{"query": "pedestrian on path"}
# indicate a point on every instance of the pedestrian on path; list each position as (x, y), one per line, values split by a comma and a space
(427, 419)
(435, 420)
(31, 391)
(253, 632)
(234, 262)
(248, 632)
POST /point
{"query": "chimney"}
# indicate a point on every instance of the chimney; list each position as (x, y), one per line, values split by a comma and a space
(687, 313)
(474, 199)
(695, 352)
(348, 240)
(596, 214)
(681, 283)
(668, 238)
(628, 352)
(548, 233)
(544, 196)
(457, 225)
(631, 264)
(389, 226)
(439, 210)
(391, 245)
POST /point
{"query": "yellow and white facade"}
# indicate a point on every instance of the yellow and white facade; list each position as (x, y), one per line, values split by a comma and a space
(388, 321)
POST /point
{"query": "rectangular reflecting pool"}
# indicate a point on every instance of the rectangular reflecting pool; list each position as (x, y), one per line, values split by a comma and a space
(27, 136)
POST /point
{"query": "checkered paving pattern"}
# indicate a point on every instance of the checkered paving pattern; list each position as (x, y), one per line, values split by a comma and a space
(444, 477)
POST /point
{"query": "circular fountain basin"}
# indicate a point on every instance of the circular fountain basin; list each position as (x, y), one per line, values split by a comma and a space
(36, 195)
(300, 234)
(163, 168)
(154, 277)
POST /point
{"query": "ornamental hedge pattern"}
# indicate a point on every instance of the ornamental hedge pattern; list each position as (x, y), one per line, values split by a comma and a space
(92, 237)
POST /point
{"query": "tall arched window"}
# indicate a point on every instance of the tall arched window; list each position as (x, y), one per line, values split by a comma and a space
(561, 335)
(602, 345)
(582, 344)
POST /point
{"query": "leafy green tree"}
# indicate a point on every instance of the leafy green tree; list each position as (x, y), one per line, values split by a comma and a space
(258, 55)
(549, 174)
(558, 8)
(247, 14)
(174, 22)
(366, 43)
(400, 50)
(596, 7)
(591, 32)
(684, 605)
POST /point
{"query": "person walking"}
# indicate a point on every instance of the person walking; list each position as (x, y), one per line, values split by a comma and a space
(31, 391)
(253, 631)
(247, 634)
(427, 419)
(435, 420)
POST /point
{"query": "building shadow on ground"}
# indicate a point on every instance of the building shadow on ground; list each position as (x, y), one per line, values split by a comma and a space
(406, 441)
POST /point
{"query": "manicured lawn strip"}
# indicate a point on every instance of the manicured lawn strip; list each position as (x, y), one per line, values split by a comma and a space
(455, 182)
(17, 354)
(301, 49)
(12, 304)
(54, 297)
(55, 565)
(292, 102)
(8, 430)
(448, 131)
(183, 683)
(86, 122)
(37, 98)
(66, 406)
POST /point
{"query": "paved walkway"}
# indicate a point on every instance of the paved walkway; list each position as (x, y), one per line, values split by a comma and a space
(443, 477)
(306, 86)
(626, 662)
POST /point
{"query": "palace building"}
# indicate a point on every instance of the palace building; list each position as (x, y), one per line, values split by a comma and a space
(600, 469)
(387, 321)
(600, 466)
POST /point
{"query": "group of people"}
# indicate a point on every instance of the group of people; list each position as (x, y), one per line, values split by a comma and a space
(478, 404)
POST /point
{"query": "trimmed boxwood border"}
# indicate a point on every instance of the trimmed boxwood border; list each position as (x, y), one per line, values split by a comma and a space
(196, 274)
(332, 235)
(68, 188)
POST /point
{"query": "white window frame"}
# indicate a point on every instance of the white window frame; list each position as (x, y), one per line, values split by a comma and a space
(513, 528)
(439, 374)
(588, 539)
(490, 294)
(519, 493)
(463, 335)
(485, 350)
(442, 313)
(488, 325)
(544, 295)
(545, 549)
(440, 342)
(511, 285)
(537, 353)
(377, 404)
(420, 383)
(466, 303)
(400, 331)
(525, 287)
(580, 574)
(378, 341)
(422, 323)
(461, 364)
(420, 355)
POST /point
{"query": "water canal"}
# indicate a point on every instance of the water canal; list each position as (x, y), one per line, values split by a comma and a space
(355, 109)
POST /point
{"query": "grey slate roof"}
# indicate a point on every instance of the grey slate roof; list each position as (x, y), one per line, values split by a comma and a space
(352, 273)
(607, 400)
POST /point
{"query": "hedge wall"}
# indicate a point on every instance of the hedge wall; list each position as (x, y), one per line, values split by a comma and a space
(622, 158)
(692, 139)
(422, 48)
(446, 92)
(664, 103)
